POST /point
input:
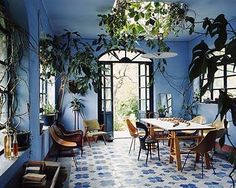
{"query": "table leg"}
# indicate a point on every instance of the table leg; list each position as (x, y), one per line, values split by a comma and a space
(171, 144)
(207, 160)
(198, 141)
(175, 150)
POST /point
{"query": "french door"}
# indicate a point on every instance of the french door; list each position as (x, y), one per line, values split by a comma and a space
(105, 98)
(105, 93)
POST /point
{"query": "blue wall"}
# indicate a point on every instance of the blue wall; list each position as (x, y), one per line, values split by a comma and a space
(25, 14)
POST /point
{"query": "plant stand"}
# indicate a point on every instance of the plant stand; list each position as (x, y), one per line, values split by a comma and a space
(76, 119)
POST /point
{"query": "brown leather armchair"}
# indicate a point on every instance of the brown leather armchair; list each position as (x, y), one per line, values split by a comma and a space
(66, 142)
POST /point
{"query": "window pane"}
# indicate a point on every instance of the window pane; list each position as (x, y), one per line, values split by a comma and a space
(108, 72)
(147, 70)
(231, 69)
(108, 93)
(143, 81)
(148, 93)
(232, 91)
(148, 105)
(51, 90)
(3, 47)
(3, 108)
(142, 93)
(142, 69)
(218, 83)
(108, 81)
(231, 82)
(3, 77)
(215, 94)
(143, 105)
(108, 106)
(206, 96)
(220, 71)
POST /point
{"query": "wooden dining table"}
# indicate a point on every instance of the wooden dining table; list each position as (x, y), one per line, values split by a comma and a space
(174, 138)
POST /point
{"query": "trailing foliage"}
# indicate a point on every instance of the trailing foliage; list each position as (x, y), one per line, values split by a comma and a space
(133, 21)
(69, 57)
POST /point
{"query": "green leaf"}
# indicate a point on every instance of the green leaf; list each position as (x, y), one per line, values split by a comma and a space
(198, 64)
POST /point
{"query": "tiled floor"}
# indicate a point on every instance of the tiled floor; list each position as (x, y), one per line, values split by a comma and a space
(113, 167)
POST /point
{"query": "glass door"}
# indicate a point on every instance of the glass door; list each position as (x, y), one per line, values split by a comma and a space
(145, 89)
(105, 98)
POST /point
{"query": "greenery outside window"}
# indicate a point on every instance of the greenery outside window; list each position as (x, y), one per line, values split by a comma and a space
(224, 78)
(47, 91)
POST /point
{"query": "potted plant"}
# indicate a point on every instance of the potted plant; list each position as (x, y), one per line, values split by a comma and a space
(204, 61)
(48, 115)
(162, 111)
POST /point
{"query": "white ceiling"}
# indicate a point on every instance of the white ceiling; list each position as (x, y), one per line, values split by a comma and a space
(81, 15)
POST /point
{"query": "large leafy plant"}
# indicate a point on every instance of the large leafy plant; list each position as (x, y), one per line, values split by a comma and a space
(205, 60)
(131, 21)
(68, 57)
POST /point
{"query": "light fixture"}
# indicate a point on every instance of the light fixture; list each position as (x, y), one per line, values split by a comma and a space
(159, 55)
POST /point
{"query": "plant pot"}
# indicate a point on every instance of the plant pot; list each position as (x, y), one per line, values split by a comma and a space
(48, 119)
(161, 115)
(23, 138)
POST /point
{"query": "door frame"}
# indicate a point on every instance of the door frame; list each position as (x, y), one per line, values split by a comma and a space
(108, 126)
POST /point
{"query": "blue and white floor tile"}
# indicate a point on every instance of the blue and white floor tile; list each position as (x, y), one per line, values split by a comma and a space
(112, 166)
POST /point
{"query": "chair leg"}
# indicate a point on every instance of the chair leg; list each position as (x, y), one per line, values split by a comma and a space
(202, 164)
(88, 140)
(104, 139)
(134, 143)
(212, 165)
(158, 150)
(150, 150)
(131, 144)
(139, 153)
(81, 150)
(76, 163)
(147, 154)
(185, 161)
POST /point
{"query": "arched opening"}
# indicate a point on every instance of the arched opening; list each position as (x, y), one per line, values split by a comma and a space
(126, 90)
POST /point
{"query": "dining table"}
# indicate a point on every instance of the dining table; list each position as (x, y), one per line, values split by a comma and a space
(174, 127)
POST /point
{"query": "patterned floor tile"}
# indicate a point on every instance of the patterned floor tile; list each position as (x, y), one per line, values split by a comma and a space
(111, 166)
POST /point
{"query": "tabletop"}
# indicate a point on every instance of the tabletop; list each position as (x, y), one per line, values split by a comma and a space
(171, 126)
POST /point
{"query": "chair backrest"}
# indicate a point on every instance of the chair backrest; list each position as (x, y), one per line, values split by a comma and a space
(220, 133)
(207, 143)
(199, 119)
(142, 138)
(218, 124)
(59, 141)
(132, 129)
(91, 125)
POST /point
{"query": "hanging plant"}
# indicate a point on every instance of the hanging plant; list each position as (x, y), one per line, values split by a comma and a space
(132, 21)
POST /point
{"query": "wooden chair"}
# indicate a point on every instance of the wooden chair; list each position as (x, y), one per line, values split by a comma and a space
(156, 133)
(218, 124)
(66, 143)
(67, 132)
(146, 142)
(206, 145)
(198, 119)
(93, 130)
(133, 133)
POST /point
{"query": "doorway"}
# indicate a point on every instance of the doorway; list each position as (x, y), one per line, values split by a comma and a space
(126, 89)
